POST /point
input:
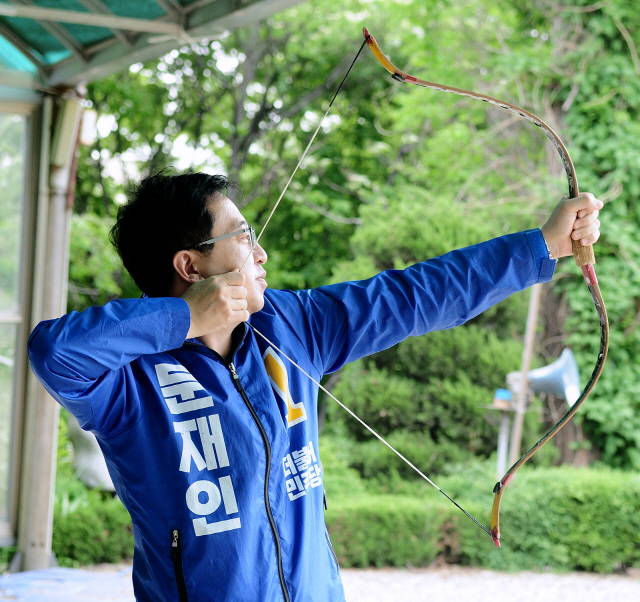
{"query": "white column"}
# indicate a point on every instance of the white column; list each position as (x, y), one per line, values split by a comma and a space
(50, 294)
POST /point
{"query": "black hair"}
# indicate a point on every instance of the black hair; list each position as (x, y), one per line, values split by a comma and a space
(164, 214)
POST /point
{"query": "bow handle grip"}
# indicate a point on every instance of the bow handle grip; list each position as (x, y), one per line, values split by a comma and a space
(583, 255)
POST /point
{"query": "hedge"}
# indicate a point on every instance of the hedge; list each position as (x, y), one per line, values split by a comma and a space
(561, 518)
(385, 530)
(89, 526)
(97, 531)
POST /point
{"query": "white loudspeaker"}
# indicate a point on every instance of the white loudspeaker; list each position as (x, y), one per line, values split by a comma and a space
(561, 378)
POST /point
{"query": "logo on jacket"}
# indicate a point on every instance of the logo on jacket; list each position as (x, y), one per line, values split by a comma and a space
(279, 378)
(212, 499)
(301, 471)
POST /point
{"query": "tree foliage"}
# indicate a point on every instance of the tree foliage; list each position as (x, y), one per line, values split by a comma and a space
(399, 174)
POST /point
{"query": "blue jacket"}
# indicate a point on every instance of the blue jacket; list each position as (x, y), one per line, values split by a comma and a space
(218, 462)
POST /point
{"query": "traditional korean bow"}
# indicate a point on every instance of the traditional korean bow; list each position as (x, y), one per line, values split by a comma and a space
(583, 255)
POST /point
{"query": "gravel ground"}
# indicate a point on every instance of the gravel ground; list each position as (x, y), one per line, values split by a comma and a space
(112, 583)
(453, 584)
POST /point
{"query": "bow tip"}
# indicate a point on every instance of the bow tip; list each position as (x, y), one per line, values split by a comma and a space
(366, 33)
(495, 535)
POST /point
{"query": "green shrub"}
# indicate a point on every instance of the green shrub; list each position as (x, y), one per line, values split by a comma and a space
(342, 479)
(373, 460)
(565, 518)
(6, 554)
(430, 394)
(89, 526)
(560, 518)
(383, 530)
(97, 531)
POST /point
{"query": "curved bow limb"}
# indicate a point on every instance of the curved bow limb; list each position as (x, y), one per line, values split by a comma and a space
(592, 283)
(584, 257)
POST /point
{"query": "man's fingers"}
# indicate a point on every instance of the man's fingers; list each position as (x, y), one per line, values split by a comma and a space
(237, 292)
(587, 232)
(234, 278)
(583, 204)
(230, 284)
(572, 219)
(586, 220)
(238, 304)
(216, 303)
(590, 239)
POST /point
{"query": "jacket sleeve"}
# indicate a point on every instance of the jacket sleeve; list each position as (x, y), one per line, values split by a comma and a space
(348, 321)
(84, 359)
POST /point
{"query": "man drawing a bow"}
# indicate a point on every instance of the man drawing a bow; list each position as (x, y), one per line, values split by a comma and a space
(210, 435)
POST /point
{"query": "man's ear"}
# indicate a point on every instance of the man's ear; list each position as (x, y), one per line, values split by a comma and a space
(185, 263)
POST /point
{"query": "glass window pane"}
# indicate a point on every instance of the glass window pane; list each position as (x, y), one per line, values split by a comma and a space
(11, 178)
(12, 166)
(7, 355)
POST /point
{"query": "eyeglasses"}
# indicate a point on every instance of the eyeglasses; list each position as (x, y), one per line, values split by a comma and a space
(250, 230)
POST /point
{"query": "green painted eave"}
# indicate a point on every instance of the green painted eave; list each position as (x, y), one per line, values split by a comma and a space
(42, 50)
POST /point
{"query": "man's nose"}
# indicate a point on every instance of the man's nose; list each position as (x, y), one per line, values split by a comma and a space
(259, 254)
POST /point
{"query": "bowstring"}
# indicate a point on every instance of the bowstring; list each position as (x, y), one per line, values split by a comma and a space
(304, 154)
(372, 431)
(326, 391)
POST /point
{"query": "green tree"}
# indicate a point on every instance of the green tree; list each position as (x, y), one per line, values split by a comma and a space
(592, 81)
(399, 174)
(246, 104)
(577, 66)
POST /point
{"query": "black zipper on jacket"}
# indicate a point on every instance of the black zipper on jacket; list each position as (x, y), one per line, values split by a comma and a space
(326, 533)
(176, 557)
(267, 448)
(333, 553)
